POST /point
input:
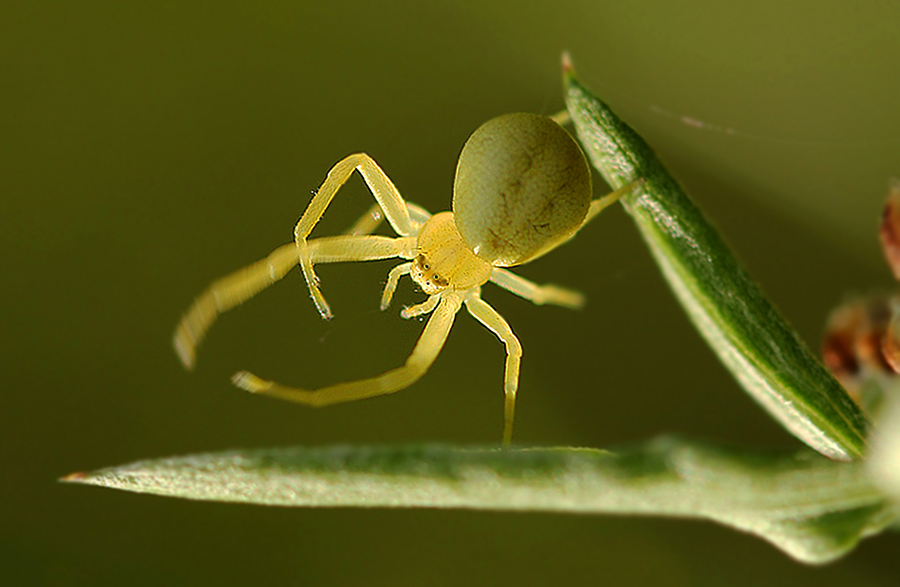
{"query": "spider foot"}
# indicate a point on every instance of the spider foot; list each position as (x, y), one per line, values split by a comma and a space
(185, 345)
(250, 382)
(425, 307)
(321, 305)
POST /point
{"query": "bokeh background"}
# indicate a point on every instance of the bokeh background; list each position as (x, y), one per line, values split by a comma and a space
(148, 148)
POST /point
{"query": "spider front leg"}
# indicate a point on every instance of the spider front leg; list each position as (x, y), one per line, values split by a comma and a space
(336, 249)
(423, 355)
(391, 286)
(425, 307)
(232, 290)
(385, 193)
(226, 293)
(494, 322)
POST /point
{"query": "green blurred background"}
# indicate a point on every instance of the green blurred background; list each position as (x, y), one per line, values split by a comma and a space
(148, 148)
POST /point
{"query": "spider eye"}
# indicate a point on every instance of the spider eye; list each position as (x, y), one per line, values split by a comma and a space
(435, 277)
(421, 263)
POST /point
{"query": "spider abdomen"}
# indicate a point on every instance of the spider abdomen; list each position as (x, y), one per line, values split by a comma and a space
(522, 186)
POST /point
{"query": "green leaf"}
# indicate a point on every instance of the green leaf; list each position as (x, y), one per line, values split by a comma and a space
(755, 343)
(813, 508)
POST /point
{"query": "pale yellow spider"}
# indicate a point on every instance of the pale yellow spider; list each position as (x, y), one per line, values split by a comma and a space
(522, 188)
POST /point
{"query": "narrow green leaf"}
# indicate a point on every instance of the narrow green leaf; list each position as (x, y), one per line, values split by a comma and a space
(813, 508)
(761, 349)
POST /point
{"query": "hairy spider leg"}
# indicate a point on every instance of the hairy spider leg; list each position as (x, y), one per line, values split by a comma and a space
(226, 293)
(232, 290)
(425, 307)
(392, 205)
(550, 293)
(423, 355)
(391, 286)
(493, 321)
(371, 220)
(561, 118)
(537, 294)
(603, 202)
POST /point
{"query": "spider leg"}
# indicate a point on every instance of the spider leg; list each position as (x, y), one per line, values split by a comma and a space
(391, 286)
(232, 290)
(337, 249)
(373, 217)
(494, 322)
(226, 293)
(603, 202)
(423, 355)
(538, 294)
(368, 222)
(424, 308)
(392, 205)
(345, 248)
(561, 118)
(418, 215)
(384, 191)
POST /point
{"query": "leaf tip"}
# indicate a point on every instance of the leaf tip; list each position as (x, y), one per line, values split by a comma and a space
(77, 477)
(568, 69)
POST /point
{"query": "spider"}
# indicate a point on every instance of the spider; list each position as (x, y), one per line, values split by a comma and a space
(522, 188)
